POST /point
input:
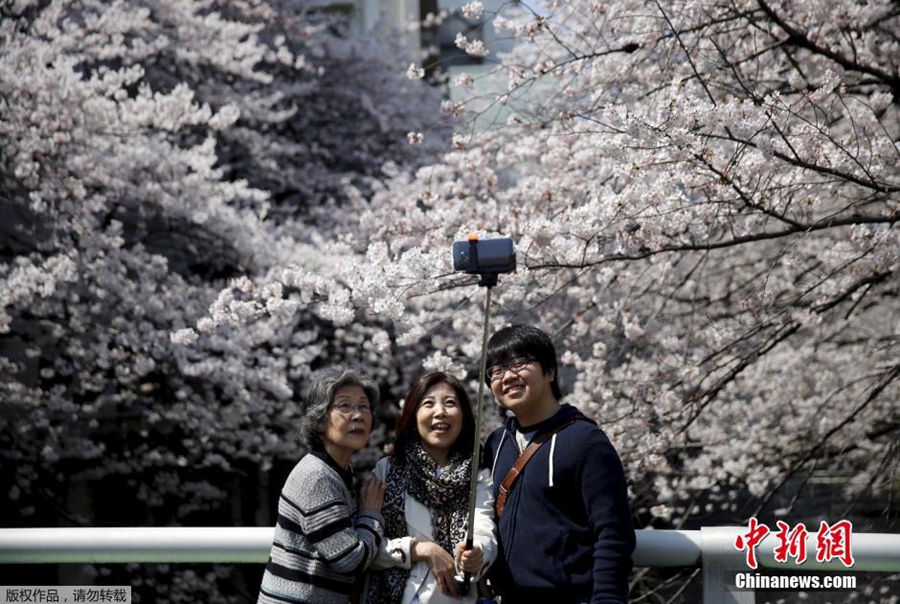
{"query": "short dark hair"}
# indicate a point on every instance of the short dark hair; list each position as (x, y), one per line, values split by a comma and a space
(524, 341)
(321, 392)
(407, 430)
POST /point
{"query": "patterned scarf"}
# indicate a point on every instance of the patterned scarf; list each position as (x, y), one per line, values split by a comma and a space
(447, 496)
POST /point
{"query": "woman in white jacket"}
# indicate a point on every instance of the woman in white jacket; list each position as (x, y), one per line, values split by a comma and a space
(426, 502)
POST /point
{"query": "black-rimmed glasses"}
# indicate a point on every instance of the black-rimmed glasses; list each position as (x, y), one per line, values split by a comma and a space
(495, 372)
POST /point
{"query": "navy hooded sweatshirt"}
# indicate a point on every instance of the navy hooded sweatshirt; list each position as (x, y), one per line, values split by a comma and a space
(565, 533)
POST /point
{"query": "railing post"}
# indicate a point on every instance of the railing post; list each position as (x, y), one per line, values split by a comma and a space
(721, 560)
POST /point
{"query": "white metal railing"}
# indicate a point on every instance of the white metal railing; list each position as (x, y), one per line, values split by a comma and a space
(711, 547)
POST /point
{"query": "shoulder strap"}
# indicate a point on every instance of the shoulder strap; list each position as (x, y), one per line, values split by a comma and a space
(513, 475)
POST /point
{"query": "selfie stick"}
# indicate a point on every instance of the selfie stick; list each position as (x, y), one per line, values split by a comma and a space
(476, 449)
(488, 280)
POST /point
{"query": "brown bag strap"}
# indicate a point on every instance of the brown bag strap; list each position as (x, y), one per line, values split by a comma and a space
(513, 475)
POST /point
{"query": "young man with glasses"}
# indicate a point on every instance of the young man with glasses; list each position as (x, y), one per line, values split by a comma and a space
(565, 533)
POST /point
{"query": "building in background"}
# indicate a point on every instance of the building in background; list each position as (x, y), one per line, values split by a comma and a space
(410, 20)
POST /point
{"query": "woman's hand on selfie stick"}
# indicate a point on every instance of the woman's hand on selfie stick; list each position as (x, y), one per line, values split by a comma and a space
(469, 560)
(441, 563)
(371, 495)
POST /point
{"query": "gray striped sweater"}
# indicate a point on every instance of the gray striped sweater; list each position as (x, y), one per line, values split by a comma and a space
(321, 545)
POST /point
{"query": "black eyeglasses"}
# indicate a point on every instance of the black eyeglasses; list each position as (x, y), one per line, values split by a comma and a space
(495, 372)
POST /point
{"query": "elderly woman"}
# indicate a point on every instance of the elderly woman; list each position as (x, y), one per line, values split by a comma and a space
(426, 505)
(322, 542)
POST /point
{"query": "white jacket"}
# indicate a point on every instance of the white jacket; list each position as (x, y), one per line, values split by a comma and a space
(418, 524)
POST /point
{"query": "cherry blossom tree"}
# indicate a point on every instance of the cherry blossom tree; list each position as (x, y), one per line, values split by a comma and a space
(154, 152)
(705, 202)
(704, 197)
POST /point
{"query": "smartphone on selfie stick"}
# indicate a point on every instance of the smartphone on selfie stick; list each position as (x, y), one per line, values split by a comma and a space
(487, 258)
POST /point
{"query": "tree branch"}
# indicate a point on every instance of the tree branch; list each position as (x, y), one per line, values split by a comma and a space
(825, 224)
(888, 377)
(798, 38)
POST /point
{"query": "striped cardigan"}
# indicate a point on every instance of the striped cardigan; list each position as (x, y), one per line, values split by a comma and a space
(321, 545)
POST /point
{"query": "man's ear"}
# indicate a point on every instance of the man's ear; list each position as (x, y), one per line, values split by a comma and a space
(552, 374)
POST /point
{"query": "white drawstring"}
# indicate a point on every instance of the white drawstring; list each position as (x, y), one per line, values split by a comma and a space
(552, 449)
(497, 454)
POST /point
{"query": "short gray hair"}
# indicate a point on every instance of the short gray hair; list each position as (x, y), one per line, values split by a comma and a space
(320, 393)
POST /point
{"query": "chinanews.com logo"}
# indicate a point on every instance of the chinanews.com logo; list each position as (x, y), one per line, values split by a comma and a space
(833, 542)
(793, 582)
